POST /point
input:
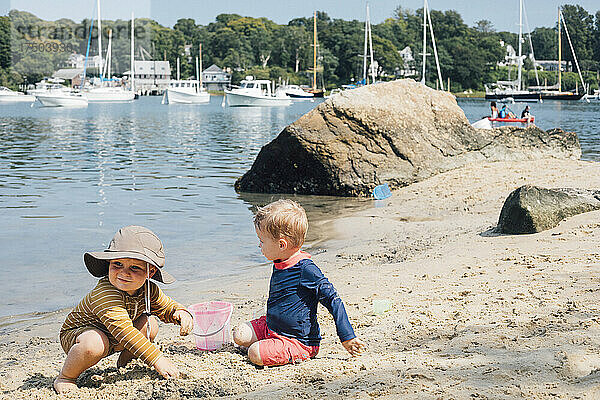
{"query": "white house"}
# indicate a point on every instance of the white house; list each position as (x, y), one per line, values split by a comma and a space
(552, 65)
(214, 78)
(151, 77)
(409, 63)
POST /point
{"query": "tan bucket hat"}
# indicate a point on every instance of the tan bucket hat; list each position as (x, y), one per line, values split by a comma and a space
(130, 242)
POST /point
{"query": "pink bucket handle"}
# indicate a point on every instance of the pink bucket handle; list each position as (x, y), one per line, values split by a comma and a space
(215, 332)
(219, 329)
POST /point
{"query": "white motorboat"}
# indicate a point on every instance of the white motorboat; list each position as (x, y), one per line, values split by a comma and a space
(62, 99)
(255, 93)
(109, 94)
(295, 92)
(592, 97)
(10, 96)
(48, 85)
(186, 91)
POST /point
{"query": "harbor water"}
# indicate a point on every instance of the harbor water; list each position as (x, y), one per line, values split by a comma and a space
(69, 178)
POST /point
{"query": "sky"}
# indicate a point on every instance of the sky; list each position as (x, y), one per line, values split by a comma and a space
(504, 15)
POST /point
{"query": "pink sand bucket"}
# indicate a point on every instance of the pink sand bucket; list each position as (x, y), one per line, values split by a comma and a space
(211, 324)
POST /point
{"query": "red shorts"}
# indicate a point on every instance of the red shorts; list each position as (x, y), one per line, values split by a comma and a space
(276, 349)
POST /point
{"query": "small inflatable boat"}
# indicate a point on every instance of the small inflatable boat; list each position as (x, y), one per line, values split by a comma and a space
(521, 120)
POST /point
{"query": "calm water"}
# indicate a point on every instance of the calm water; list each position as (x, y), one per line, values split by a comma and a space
(69, 178)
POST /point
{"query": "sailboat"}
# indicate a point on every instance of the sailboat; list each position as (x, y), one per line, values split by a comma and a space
(558, 94)
(373, 63)
(427, 17)
(513, 89)
(105, 92)
(188, 91)
(316, 92)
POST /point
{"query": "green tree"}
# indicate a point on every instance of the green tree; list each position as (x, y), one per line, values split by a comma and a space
(596, 39)
(345, 40)
(386, 55)
(545, 43)
(5, 56)
(484, 26)
(580, 25)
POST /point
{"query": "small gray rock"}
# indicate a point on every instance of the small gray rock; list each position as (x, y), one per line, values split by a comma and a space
(531, 209)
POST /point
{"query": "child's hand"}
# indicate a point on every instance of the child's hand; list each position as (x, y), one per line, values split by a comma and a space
(185, 320)
(166, 368)
(354, 346)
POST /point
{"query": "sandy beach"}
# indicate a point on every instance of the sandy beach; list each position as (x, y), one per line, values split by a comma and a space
(473, 314)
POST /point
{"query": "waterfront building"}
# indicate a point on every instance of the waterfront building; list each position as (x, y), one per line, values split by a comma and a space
(151, 77)
(409, 64)
(552, 65)
(71, 75)
(214, 78)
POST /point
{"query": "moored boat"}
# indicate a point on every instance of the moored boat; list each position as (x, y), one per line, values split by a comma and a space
(514, 89)
(48, 85)
(528, 96)
(109, 94)
(295, 92)
(185, 92)
(61, 99)
(10, 96)
(255, 93)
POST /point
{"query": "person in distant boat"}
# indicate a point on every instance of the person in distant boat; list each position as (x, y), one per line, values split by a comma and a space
(506, 113)
(494, 109)
(526, 114)
(289, 332)
(117, 315)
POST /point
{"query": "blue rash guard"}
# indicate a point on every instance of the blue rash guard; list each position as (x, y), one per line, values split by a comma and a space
(294, 293)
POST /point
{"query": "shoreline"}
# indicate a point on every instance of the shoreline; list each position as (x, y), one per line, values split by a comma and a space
(473, 313)
(196, 291)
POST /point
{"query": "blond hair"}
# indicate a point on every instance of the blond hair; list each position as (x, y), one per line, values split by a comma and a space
(283, 218)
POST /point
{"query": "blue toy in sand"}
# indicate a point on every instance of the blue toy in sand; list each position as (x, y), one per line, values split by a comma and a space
(382, 192)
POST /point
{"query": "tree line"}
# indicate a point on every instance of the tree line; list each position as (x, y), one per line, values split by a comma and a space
(31, 48)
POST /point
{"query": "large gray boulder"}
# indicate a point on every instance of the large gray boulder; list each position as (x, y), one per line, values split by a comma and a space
(531, 209)
(398, 133)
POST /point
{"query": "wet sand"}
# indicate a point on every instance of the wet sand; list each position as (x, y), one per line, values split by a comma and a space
(474, 314)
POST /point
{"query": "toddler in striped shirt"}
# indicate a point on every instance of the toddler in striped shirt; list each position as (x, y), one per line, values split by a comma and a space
(116, 316)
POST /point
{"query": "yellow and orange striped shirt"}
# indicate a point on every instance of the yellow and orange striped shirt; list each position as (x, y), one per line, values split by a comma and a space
(113, 312)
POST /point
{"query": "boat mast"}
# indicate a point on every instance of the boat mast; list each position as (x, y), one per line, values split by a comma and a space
(520, 62)
(437, 60)
(573, 52)
(373, 71)
(424, 40)
(200, 76)
(99, 41)
(314, 85)
(132, 57)
(108, 54)
(198, 80)
(537, 78)
(365, 50)
(87, 53)
(559, 60)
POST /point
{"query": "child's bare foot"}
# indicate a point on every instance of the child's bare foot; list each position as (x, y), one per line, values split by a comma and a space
(63, 384)
(124, 358)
